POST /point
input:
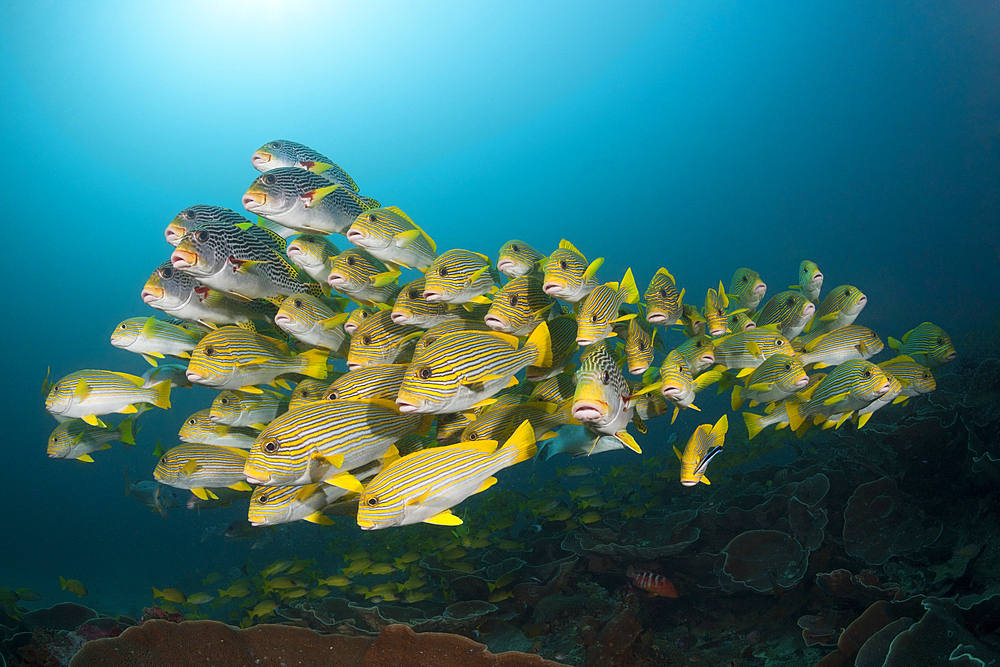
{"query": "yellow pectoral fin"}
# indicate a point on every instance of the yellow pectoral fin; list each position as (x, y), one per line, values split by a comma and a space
(128, 410)
(81, 390)
(628, 441)
(283, 384)
(680, 457)
(320, 518)
(86, 458)
(625, 318)
(201, 493)
(704, 480)
(835, 399)
(93, 421)
(251, 389)
(240, 486)
(487, 483)
(405, 239)
(150, 360)
(190, 467)
(314, 197)
(384, 278)
(482, 300)
(345, 480)
(445, 518)
(592, 269)
(744, 372)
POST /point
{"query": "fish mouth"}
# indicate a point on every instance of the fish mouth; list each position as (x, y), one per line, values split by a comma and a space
(552, 289)
(801, 382)
(399, 318)
(433, 296)
(817, 279)
(256, 476)
(353, 366)
(351, 329)
(259, 159)
(282, 319)
(749, 325)
(759, 289)
(671, 391)
(407, 405)
(495, 323)
(355, 235)
(689, 482)
(717, 331)
(505, 265)
(808, 310)
(588, 411)
(253, 200)
(637, 370)
(174, 234)
(707, 359)
(183, 259)
(293, 250)
(151, 294)
(951, 357)
(655, 318)
(365, 524)
(884, 389)
(336, 280)
(193, 377)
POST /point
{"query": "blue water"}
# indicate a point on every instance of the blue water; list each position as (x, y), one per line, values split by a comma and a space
(700, 136)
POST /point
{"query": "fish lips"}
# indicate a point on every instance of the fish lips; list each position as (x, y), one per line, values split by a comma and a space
(553, 289)
(655, 317)
(409, 404)
(337, 280)
(254, 200)
(151, 294)
(260, 160)
(183, 259)
(174, 233)
(589, 410)
(255, 475)
(496, 323)
(433, 297)
(400, 317)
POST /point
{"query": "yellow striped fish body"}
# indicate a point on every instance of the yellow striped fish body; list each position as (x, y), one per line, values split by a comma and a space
(498, 420)
(746, 350)
(691, 318)
(777, 378)
(460, 276)
(273, 505)
(851, 386)
(309, 391)
(555, 389)
(740, 322)
(810, 280)
(446, 328)
(602, 400)
(200, 428)
(313, 254)
(789, 312)
(714, 312)
(517, 259)
(153, 338)
(179, 295)
(391, 236)
(519, 306)
(650, 405)
(314, 321)
(757, 423)
(89, 393)
(448, 428)
(424, 486)
(234, 358)
(357, 317)
(76, 439)
(916, 378)
(363, 278)
(235, 408)
(639, 346)
(927, 344)
(562, 334)
(201, 468)
(379, 341)
(461, 369)
(698, 353)
(678, 386)
(746, 290)
(705, 443)
(568, 276)
(284, 153)
(664, 304)
(840, 345)
(305, 201)
(377, 381)
(322, 441)
(839, 308)
(600, 310)
(862, 416)
(412, 309)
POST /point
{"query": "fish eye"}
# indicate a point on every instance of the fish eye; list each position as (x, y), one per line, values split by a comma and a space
(269, 179)
(414, 294)
(720, 313)
(202, 236)
(663, 292)
(443, 271)
(593, 318)
(926, 375)
(513, 299)
(263, 499)
(868, 373)
(642, 346)
(352, 260)
(848, 291)
(166, 272)
(271, 446)
(777, 341)
(192, 421)
(372, 502)
(940, 341)
(790, 301)
(209, 351)
(297, 303)
(332, 396)
(697, 344)
(275, 144)
(424, 373)
(367, 340)
(563, 264)
(372, 217)
(473, 436)
(746, 278)
(788, 367)
(515, 248)
(123, 326)
(224, 401)
(189, 214)
(606, 377)
(163, 460)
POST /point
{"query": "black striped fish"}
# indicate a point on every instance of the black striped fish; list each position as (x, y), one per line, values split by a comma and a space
(179, 295)
(788, 313)
(89, 393)
(391, 236)
(267, 232)
(927, 344)
(304, 201)
(599, 311)
(313, 254)
(235, 408)
(705, 443)
(567, 275)
(379, 341)
(424, 486)
(517, 259)
(746, 290)
(322, 441)
(284, 153)
(154, 339)
(602, 400)
(202, 468)
(461, 369)
(314, 321)
(519, 307)
(664, 304)
(462, 277)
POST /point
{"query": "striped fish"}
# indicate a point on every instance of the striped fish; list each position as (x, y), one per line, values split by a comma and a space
(861, 417)
(562, 334)
(851, 386)
(357, 317)
(309, 391)
(193, 216)
(519, 307)
(639, 346)
(567, 274)
(915, 378)
(461, 369)
(284, 153)
(445, 328)
(376, 381)
(200, 428)
(555, 389)
(202, 468)
(76, 439)
(747, 349)
(599, 311)
(460, 276)
(322, 441)
(236, 261)
(89, 393)
(777, 378)
(234, 408)
(654, 583)
(498, 420)
(181, 296)
(391, 236)
(175, 374)
(274, 505)
(412, 309)
(839, 308)
(314, 321)
(233, 358)
(787, 312)
(677, 385)
(304, 201)
(448, 428)
(810, 280)
(714, 312)
(698, 353)
(705, 443)
(313, 254)
(602, 400)
(691, 318)
(517, 259)
(757, 423)
(379, 341)
(746, 290)
(664, 304)
(154, 339)
(740, 322)
(840, 345)
(363, 278)
(927, 344)
(424, 486)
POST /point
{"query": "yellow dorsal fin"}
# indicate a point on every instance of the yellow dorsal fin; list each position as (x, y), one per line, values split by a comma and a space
(592, 269)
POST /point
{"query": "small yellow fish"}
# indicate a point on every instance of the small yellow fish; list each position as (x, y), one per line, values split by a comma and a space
(172, 594)
(335, 580)
(74, 586)
(235, 591)
(263, 608)
(199, 598)
(590, 517)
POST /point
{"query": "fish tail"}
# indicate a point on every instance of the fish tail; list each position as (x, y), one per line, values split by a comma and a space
(754, 423)
(162, 399)
(125, 428)
(794, 415)
(628, 288)
(315, 361)
(541, 341)
(736, 400)
(519, 447)
(62, 582)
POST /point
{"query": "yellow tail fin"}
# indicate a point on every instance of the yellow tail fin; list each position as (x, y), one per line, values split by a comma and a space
(542, 342)
(520, 446)
(629, 288)
(754, 423)
(315, 361)
(794, 415)
(736, 401)
(162, 399)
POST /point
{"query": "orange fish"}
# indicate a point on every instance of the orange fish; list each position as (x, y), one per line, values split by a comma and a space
(654, 583)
